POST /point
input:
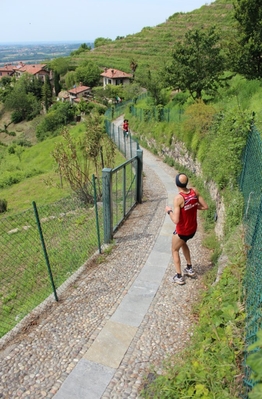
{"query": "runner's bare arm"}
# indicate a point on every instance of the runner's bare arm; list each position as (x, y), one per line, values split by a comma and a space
(202, 205)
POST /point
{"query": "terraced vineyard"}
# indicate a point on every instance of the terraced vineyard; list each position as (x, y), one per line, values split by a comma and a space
(153, 45)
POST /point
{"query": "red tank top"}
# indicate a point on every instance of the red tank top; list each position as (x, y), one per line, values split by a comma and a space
(188, 214)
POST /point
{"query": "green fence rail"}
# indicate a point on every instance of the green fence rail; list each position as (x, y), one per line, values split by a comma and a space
(251, 187)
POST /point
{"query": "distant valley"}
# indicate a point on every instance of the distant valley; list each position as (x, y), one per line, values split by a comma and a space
(35, 53)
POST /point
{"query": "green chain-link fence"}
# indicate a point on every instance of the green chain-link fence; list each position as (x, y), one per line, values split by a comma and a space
(43, 246)
(70, 236)
(251, 186)
(158, 114)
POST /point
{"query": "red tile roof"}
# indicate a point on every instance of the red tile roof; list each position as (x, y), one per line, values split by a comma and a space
(79, 89)
(32, 69)
(7, 68)
(115, 74)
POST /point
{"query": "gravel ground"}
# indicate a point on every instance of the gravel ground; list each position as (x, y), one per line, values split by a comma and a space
(35, 363)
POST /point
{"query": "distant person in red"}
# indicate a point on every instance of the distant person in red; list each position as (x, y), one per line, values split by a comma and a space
(125, 128)
(186, 204)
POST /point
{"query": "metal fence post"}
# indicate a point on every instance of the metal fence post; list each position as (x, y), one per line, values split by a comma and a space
(139, 193)
(96, 212)
(107, 204)
(44, 249)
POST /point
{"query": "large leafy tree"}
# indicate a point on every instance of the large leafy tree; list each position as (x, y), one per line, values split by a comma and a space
(61, 65)
(23, 99)
(247, 59)
(197, 64)
(88, 73)
(70, 79)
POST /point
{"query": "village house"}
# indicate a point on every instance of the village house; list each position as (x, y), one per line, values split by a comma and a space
(6, 70)
(38, 70)
(78, 92)
(115, 77)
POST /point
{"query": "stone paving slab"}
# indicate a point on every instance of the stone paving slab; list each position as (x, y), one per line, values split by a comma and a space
(111, 344)
(88, 380)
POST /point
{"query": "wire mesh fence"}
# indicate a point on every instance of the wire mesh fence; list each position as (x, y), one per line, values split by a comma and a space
(124, 190)
(69, 230)
(251, 186)
(128, 145)
(158, 114)
(45, 245)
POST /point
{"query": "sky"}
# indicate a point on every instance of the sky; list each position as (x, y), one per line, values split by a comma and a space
(84, 20)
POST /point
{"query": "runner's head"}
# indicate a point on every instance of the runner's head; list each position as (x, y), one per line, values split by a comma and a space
(181, 180)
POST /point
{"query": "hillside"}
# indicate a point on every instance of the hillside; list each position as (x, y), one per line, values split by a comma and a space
(153, 45)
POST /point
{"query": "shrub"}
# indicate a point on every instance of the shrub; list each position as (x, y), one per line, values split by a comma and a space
(17, 116)
(3, 205)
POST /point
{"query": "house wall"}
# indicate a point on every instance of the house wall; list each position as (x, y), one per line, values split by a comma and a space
(41, 75)
(115, 82)
(78, 95)
(6, 73)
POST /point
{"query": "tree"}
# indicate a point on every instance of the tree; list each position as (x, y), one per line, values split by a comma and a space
(153, 82)
(82, 106)
(61, 65)
(101, 41)
(58, 115)
(76, 160)
(57, 85)
(5, 87)
(70, 79)
(5, 81)
(23, 103)
(132, 91)
(33, 85)
(247, 57)
(83, 47)
(133, 66)
(88, 73)
(197, 63)
(47, 93)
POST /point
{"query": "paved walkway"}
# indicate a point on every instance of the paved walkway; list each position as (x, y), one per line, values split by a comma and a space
(118, 319)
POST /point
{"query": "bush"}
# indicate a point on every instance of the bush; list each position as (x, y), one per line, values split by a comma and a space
(17, 116)
(24, 142)
(11, 149)
(3, 205)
